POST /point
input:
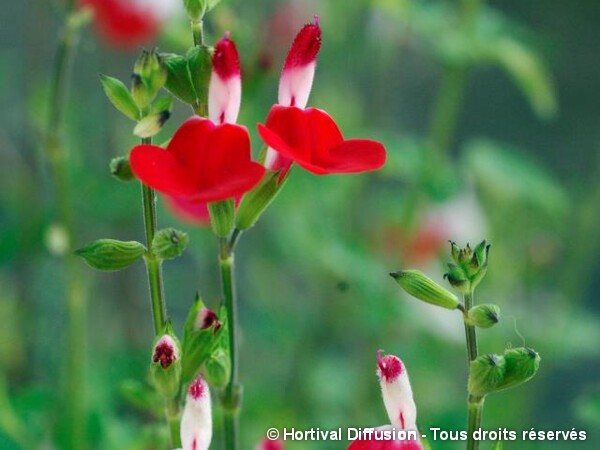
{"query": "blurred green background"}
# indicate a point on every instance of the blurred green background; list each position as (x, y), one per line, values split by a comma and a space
(490, 114)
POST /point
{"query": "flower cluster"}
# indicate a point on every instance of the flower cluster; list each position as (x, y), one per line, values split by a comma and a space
(209, 159)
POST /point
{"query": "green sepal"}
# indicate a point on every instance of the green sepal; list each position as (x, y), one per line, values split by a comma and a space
(121, 169)
(179, 80)
(484, 315)
(169, 243)
(120, 97)
(521, 365)
(217, 368)
(423, 288)
(111, 254)
(166, 380)
(457, 278)
(200, 67)
(486, 372)
(221, 216)
(255, 202)
(199, 344)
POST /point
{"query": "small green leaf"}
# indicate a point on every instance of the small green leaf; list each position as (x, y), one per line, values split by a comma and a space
(120, 97)
(110, 254)
(200, 67)
(179, 80)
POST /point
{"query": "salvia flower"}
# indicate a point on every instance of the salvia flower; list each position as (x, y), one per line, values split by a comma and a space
(400, 406)
(129, 23)
(165, 367)
(203, 162)
(296, 81)
(196, 420)
(225, 87)
(311, 138)
(205, 319)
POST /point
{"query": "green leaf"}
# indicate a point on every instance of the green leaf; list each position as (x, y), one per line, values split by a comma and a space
(200, 67)
(179, 80)
(110, 254)
(120, 97)
(164, 103)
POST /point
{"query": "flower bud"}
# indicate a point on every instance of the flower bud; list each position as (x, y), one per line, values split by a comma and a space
(397, 392)
(217, 369)
(468, 267)
(521, 365)
(423, 288)
(149, 75)
(196, 420)
(166, 366)
(110, 254)
(225, 88)
(485, 373)
(203, 333)
(169, 243)
(298, 72)
(120, 169)
(484, 316)
(222, 216)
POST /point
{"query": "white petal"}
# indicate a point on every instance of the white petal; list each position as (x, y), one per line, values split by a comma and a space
(295, 85)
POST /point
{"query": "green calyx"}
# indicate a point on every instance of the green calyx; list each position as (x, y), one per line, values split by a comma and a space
(169, 243)
(111, 254)
(423, 288)
(165, 364)
(468, 266)
(222, 217)
(484, 315)
(255, 202)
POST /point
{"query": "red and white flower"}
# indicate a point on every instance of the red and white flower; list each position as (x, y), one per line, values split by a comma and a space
(130, 23)
(196, 420)
(399, 404)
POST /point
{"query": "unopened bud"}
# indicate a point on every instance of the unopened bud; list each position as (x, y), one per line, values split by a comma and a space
(205, 319)
(120, 169)
(469, 266)
(397, 392)
(423, 288)
(485, 374)
(484, 316)
(169, 243)
(196, 420)
(149, 75)
(166, 366)
(110, 254)
(521, 365)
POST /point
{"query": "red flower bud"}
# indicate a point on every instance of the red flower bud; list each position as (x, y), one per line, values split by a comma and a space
(204, 162)
(196, 420)
(225, 88)
(207, 318)
(396, 391)
(165, 351)
(312, 139)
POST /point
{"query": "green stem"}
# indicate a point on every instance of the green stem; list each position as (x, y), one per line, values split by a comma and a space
(198, 32)
(157, 294)
(475, 405)
(56, 154)
(153, 264)
(230, 398)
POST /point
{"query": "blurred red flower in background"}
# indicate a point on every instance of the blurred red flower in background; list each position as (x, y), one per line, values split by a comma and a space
(130, 23)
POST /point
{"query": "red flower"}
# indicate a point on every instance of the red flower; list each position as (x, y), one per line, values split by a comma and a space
(312, 139)
(204, 162)
(125, 23)
(382, 444)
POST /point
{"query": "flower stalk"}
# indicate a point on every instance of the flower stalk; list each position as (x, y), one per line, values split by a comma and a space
(230, 395)
(76, 302)
(474, 404)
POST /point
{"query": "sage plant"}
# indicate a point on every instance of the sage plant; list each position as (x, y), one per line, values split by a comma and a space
(207, 165)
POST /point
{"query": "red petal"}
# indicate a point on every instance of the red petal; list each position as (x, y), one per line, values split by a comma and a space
(291, 125)
(190, 143)
(384, 445)
(240, 178)
(357, 155)
(189, 210)
(156, 167)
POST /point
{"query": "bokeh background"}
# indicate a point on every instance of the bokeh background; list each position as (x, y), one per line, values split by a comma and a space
(490, 113)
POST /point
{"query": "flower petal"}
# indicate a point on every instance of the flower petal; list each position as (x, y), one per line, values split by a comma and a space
(357, 155)
(158, 168)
